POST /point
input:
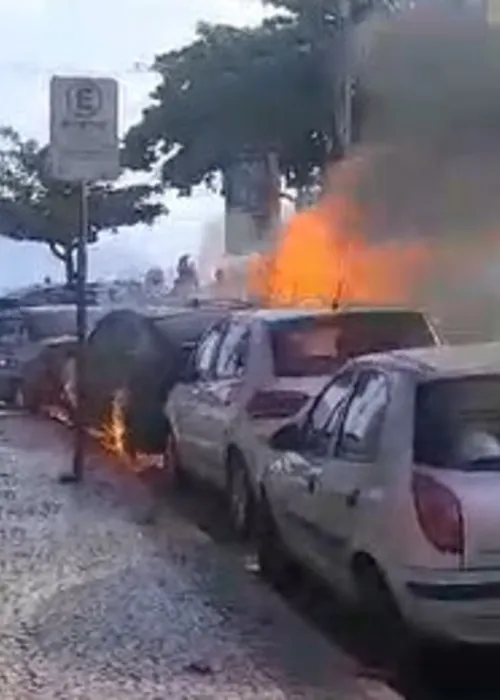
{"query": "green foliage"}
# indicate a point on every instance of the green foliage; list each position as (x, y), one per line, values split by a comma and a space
(35, 207)
(269, 87)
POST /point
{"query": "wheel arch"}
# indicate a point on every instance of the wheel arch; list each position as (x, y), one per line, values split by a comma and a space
(363, 562)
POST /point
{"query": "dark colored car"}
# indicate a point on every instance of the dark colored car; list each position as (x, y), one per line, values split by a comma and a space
(133, 360)
(49, 295)
(48, 338)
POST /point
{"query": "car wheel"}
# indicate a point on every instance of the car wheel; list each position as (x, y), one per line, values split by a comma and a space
(275, 563)
(23, 400)
(19, 397)
(380, 610)
(240, 496)
(171, 463)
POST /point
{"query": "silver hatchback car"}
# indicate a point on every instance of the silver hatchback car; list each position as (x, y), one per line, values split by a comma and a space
(259, 369)
(389, 490)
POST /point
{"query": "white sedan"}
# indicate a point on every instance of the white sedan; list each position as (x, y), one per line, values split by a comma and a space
(389, 490)
(257, 370)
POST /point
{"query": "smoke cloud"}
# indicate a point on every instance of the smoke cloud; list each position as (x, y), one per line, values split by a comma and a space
(431, 159)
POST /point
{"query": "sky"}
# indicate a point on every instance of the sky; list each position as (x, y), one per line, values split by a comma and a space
(115, 38)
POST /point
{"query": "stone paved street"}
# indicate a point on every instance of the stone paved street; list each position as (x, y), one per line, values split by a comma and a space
(105, 596)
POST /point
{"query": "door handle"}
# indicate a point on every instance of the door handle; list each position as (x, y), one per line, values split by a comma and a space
(352, 499)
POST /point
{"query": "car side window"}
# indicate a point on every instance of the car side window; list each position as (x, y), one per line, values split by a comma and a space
(360, 434)
(324, 418)
(206, 352)
(232, 357)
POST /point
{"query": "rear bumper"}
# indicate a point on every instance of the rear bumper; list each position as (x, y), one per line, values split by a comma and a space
(458, 606)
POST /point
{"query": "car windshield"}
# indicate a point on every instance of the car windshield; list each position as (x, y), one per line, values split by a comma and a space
(457, 423)
(317, 345)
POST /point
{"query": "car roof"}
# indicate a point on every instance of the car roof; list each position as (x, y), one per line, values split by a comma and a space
(289, 314)
(440, 361)
(56, 309)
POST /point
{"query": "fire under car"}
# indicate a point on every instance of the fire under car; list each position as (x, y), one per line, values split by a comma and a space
(134, 357)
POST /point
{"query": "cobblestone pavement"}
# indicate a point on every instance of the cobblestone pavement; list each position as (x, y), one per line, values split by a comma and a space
(106, 597)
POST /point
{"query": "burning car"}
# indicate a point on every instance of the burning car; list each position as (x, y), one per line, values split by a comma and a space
(133, 359)
(32, 342)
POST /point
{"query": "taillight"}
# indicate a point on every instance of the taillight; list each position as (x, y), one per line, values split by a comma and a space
(276, 404)
(439, 513)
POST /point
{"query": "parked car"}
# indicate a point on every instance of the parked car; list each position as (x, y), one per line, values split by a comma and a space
(41, 385)
(389, 489)
(133, 359)
(27, 337)
(258, 369)
(51, 295)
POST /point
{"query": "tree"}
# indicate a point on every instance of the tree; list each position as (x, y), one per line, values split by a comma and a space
(266, 88)
(235, 89)
(34, 207)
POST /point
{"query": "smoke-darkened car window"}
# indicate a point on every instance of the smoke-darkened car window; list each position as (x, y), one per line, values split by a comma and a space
(316, 345)
(380, 331)
(50, 324)
(457, 423)
(304, 347)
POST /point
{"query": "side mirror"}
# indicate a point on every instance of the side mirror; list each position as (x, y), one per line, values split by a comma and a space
(287, 439)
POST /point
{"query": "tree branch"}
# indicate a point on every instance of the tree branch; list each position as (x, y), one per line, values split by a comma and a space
(61, 253)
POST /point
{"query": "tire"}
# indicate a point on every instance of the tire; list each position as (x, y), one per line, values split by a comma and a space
(19, 397)
(276, 565)
(171, 463)
(404, 650)
(240, 497)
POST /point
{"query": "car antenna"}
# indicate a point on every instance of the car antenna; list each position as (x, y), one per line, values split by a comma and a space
(337, 299)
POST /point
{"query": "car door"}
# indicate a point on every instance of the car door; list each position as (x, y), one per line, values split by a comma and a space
(187, 403)
(348, 490)
(300, 472)
(220, 398)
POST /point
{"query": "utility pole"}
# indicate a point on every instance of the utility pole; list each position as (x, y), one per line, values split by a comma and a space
(343, 106)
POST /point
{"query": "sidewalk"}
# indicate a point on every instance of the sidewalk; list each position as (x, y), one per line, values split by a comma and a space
(106, 597)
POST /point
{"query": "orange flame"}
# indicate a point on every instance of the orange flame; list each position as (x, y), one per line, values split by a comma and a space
(322, 256)
(316, 264)
(113, 438)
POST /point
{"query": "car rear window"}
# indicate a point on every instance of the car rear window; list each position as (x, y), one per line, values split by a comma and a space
(51, 324)
(313, 346)
(457, 423)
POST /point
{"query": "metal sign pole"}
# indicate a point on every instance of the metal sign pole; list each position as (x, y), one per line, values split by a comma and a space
(76, 475)
(84, 148)
(81, 331)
